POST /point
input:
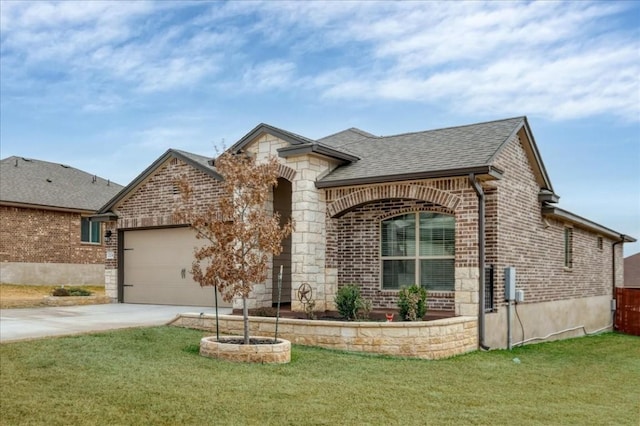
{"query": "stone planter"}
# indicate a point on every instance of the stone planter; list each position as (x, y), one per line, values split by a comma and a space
(266, 353)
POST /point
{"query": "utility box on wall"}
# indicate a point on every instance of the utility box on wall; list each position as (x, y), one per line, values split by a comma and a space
(510, 283)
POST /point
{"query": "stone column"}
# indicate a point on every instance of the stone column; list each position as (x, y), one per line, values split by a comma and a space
(466, 286)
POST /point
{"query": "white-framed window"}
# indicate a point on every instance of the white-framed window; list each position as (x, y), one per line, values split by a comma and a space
(568, 247)
(418, 248)
(89, 231)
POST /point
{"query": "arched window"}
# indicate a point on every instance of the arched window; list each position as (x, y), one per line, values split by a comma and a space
(418, 248)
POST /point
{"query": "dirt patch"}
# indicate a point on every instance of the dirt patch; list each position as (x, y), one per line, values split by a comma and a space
(33, 296)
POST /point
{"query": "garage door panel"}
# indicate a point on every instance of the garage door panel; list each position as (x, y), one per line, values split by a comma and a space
(156, 268)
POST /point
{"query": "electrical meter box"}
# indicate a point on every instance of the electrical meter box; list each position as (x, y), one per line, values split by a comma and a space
(510, 283)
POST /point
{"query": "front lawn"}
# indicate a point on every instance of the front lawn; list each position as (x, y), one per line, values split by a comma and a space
(155, 376)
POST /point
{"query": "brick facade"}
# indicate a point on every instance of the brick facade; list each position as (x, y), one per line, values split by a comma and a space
(518, 235)
(44, 236)
(336, 240)
(353, 235)
(152, 205)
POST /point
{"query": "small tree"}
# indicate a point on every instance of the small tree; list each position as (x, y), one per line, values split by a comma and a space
(239, 232)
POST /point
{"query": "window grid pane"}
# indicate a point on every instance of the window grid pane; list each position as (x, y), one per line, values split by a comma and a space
(433, 234)
(398, 273)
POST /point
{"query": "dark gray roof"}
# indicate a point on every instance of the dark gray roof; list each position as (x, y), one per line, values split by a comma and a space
(41, 183)
(453, 148)
(200, 159)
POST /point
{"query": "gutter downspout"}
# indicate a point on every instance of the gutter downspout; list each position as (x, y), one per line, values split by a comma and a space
(481, 264)
(614, 306)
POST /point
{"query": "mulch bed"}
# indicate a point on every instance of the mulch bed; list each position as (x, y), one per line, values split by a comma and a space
(377, 315)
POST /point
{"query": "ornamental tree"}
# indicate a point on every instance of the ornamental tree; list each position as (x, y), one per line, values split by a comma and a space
(240, 234)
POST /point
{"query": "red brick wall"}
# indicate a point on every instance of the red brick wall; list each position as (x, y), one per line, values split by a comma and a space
(353, 240)
(44, 236)
(518, 235)
(153, 203)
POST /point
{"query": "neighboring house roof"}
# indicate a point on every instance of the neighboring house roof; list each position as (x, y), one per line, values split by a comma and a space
(200, 162)
(632, 271)
(41, 184)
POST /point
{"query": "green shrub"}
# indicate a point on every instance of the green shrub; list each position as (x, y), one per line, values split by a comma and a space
(348, 301)
(76, 291)
(412, 303)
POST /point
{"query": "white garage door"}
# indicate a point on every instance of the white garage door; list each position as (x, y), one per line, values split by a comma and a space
(156, 269)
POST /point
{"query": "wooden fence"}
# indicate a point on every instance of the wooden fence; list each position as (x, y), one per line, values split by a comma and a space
(628, 310)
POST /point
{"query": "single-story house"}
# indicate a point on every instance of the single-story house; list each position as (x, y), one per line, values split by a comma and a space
(46, 232)
(632, 271)
(447, 209)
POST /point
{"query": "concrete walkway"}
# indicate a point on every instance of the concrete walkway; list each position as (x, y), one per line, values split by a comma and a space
(33, 323)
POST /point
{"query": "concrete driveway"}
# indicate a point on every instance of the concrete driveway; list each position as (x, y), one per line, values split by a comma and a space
(33, 323)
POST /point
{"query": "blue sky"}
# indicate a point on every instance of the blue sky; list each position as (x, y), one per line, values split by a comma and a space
(107, 87)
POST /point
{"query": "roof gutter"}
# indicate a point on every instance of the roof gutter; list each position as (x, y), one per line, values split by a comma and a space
(488, 172)
(481, 265)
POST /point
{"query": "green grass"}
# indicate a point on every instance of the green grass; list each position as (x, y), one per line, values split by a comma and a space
(155, 376)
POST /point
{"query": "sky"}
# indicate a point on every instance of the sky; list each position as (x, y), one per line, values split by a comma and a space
(108, 87)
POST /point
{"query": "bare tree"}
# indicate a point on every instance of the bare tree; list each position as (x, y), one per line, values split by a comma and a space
(240, 233)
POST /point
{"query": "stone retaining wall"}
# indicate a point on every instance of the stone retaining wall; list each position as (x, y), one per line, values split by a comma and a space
(424, 339)
(277, 353)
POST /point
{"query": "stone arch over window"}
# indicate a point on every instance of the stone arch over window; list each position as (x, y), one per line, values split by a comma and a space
(407, 191)
(286, 172)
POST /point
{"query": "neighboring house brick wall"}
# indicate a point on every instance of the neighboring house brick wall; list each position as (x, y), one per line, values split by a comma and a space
(44, 236)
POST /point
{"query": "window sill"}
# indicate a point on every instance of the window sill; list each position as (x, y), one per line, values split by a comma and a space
(85, 243)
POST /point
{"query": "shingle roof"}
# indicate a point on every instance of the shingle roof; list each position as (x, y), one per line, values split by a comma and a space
(443, 149)
(36, 182)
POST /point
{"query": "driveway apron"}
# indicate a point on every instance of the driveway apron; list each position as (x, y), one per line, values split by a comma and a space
(33, 323)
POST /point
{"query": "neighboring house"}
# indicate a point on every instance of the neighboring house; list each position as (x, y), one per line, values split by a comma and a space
(632, 271)
(46, 235)
(446, 209)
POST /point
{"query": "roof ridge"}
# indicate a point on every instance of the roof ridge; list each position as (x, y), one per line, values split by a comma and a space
(66, 166)
(452, 127)
(350, 129)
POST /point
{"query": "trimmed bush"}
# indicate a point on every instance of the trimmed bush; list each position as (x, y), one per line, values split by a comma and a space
(412, 303)
(348, 301)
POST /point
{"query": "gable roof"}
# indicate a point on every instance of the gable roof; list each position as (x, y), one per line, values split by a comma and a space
(298, 144)
(434, 153)
(41, 184)
(200, 162)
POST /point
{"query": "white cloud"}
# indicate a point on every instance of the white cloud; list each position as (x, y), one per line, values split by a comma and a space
(555, 59)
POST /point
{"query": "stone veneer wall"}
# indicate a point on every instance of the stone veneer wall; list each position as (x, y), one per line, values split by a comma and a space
(421, 339)
(308, 213)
